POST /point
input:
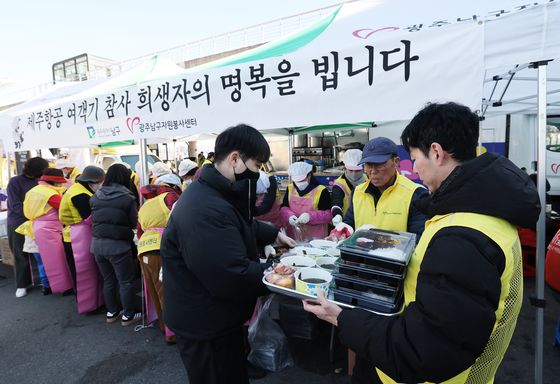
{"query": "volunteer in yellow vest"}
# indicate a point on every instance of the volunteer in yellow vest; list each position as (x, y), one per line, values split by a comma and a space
(343, 187)
(69, 169)
(41, 207)
(464, 284)
(209, 160)
(74, 213)
(152, 219)
(306, 208)
(187, 170)
(386, 199)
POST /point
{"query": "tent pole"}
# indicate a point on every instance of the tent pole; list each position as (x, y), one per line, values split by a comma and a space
(9, 161)
(541, 186)
(143, 163)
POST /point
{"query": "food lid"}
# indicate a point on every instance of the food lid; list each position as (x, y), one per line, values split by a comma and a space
(392, 246)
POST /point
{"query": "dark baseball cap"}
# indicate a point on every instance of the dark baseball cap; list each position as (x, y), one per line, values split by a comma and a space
(92, 174)
(378, 150)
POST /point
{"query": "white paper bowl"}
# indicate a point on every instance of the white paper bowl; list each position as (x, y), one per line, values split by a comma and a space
(298, 262)
(326, 260)
(314, 253)
(312, 288)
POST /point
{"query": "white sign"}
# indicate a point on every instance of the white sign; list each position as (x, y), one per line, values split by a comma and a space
(347, 74)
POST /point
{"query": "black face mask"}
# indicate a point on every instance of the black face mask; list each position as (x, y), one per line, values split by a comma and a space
(247, 175)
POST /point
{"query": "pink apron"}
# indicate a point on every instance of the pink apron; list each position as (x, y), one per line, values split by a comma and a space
(48, 236)
(272, 216)
(317, 227)
(89, 283)
(151, 313)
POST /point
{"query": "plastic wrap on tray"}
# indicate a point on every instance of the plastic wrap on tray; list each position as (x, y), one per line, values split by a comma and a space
(379, 249)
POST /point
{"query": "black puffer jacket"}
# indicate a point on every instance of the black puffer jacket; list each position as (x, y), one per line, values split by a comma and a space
(114, 215)
(211, 271)
(458, 288)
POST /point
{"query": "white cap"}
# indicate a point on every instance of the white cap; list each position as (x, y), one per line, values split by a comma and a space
(351, 159)
(186, 166)
(160, 169)
(299, 170)
(137, 168)
(169, 179)
(64, 162)
(263, 183)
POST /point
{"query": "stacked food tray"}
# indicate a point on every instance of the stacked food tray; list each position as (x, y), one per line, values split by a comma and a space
(371, 270)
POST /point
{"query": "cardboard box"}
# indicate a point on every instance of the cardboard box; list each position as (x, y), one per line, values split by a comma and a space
(7, 257)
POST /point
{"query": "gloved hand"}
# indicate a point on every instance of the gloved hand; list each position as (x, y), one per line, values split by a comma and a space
(340, 232)
(269, 251)
(336, 220)
(293, 220)
(304, 218)
(283, 239)
(366, 227)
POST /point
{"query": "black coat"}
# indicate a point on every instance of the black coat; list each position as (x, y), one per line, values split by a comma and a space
(114, 214)
(211, 270)
(458, 288)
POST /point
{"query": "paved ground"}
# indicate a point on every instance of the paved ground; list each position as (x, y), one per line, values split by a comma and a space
(44, 340)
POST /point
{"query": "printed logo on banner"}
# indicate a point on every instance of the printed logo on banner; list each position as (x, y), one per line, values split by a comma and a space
(103, 132)
(131, 122)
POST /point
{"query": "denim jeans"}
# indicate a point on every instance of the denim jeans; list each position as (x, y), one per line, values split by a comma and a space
(117, 271)
(41, 267)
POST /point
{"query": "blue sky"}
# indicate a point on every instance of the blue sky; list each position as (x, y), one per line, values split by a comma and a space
(34, 34)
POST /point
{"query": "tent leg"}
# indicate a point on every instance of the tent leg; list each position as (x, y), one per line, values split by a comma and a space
(9, 161)
(541, 229)
(143, 163)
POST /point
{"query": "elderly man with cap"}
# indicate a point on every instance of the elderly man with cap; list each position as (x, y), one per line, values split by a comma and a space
(306, 209)
(74, 214)
(386, 200)
(41, 207)
(159, 199)
(343, 187)
(187, 170)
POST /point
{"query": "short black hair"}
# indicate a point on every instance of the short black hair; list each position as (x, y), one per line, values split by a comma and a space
(118, 174)
(35, 166)
(192, 171)
(210, 154)
(453, 126)
(250, 143)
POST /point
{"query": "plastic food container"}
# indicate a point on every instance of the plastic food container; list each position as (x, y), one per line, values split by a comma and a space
(362, 271)
(367, 301)
(382, 292)
(378, 249)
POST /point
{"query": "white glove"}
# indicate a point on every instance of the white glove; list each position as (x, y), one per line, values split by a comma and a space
(336, 220)
(340, 226)
(285, 240)
(161, 274)
(269, 251)
(366, 227)
(293, 220)
(304, 218)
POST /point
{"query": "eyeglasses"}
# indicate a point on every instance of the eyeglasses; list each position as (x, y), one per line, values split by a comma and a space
(377, 166)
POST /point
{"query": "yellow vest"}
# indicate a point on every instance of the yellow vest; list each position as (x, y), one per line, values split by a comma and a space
(75, 173)
(135, 179)
(68, 214)
(317, 191)
(511, 296)
(36, 204)
(343, 184)
(207, 162)
(391, 212)
(153, 214)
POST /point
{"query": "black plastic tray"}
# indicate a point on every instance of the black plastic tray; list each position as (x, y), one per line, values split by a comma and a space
(361, 301)
(362, 271)
(357, 285)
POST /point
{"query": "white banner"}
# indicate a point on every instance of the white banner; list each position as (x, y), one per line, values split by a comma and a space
(347, 74)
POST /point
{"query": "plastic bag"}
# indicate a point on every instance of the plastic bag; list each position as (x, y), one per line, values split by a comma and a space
(269, 344)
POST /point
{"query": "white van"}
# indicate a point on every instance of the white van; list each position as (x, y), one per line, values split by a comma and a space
(129, 154)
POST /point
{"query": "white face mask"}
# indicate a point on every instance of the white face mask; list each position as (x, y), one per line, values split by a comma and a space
(188, 182)
(302, 185)
(95, 187)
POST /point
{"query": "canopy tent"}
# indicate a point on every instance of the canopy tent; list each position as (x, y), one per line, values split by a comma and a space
(368, 61)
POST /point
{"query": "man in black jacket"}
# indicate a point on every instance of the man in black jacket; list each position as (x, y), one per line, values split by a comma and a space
(463, 288)
(211, 270)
